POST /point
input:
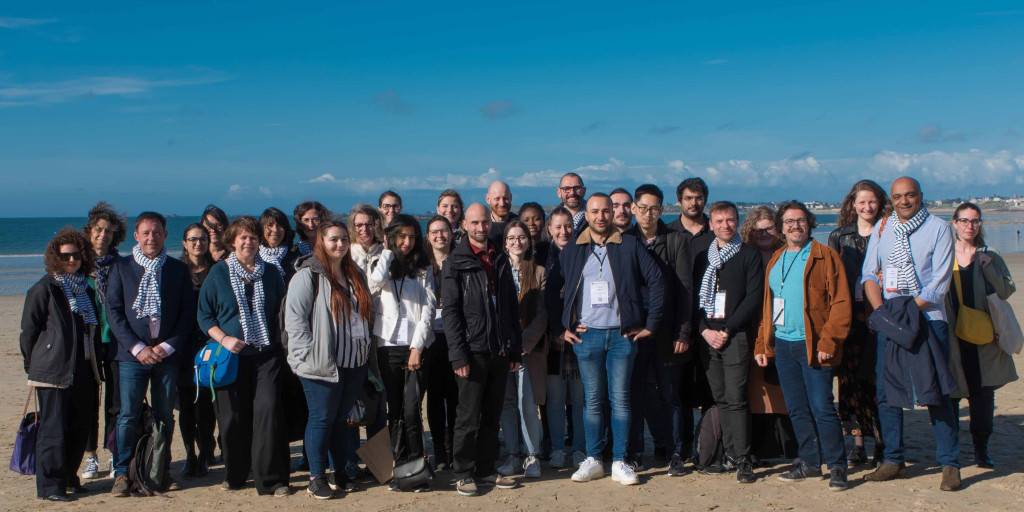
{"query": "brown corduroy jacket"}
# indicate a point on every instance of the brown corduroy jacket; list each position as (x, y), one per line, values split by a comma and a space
(827, 307)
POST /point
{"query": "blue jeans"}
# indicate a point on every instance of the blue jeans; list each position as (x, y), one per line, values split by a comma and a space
(808, 393)
(943, 417)
(606, 366)
(135, 378)
(327, 427)
(557, 389)
(520, 409)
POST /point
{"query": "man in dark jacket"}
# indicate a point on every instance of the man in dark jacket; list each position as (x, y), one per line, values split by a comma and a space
(658, 358)
(731, 283)
(152, 312)
(604, 315)
(481, 323)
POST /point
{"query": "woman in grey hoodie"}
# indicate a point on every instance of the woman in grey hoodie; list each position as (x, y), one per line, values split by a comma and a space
(327, 317)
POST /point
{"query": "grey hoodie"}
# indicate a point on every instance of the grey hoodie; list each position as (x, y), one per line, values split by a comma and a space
(312, 333)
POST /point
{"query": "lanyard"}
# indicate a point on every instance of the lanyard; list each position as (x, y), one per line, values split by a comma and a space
(600, 260)
(398, 292)
(785, 271)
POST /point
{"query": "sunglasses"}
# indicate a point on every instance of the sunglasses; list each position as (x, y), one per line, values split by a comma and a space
(67, 256)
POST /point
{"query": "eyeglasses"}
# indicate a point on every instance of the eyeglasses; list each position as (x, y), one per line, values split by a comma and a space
(218, 227)
(968, 222)
(793, 222)
(390, 206)
(764, 232)
(365, 225)
(194, 239)
(67, 256)
(653, 210)
(435, 232)
(574, 188)
(521, 239)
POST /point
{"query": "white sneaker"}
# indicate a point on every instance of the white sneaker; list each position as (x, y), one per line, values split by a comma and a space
(557, 459)
(92, 469)
(578, 458)
(511, 465)
(111, 466)
(623, 473)
(589, 469)
(531, 467)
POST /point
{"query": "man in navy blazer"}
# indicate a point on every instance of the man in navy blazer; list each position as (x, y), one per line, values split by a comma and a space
(151, 332)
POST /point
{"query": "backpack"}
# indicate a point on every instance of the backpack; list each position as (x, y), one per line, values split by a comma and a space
(710, 450)
(147, 470)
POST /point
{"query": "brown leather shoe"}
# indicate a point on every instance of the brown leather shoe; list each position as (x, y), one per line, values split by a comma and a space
(121, 487)
(886, 472)
(950, 478)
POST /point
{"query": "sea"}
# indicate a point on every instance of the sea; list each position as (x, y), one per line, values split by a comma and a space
(23, 241)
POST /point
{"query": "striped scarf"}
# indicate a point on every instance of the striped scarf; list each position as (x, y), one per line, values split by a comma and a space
(147, 303)
(305, 249)
(103, 272)
(274, 257)
(716, 258)
(74, 286)
(901, 257)
(254, 330)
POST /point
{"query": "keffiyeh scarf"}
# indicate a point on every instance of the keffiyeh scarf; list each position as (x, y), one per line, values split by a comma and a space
(901, 257)
(254, 321)
(709, 283)
(74, 286)
(147, 303)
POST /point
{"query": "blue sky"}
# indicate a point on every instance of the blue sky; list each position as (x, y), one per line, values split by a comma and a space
(250, 104)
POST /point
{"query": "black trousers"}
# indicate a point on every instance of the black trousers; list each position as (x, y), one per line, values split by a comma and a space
(66, 419)
(481, 396)
(442, 397)
(404, 392)
(727, 376)
(252, 423)
(196, 420)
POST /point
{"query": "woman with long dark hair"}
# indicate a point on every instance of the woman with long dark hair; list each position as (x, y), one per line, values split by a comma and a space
(196, 418)
(863, 207)
(215, 221)
(238, 307)
(309, 216)
(327, 317)
(59, 344)
(532, 216)
(105, 230)
(442, 390)
(979, 369)
(276, 239)
(404, 306)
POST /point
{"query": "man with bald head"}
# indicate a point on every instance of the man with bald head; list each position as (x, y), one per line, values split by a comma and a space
(499, 198)
(604, 271)
(910, 255)
(481, 322)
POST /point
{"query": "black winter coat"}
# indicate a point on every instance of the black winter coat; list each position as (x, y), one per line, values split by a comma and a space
(50, 334)
(472, 324)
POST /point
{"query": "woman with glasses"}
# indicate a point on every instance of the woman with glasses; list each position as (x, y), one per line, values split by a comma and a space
(442, 391)
(59, 344)
(390, 204)
(404, 306)
(215, 221)
(979, 369)
(522, 395)
(367, 228)
(197, 418)
(862, 208)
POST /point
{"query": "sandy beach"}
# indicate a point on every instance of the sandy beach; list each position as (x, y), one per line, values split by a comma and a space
(997, 489)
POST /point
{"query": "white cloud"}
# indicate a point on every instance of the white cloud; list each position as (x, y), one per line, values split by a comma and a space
(237, 190)
(266, 191)
(17, 23)
(47, 93)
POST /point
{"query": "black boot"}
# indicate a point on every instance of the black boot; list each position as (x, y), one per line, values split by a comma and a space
(981, 456)
(879, 456)
(188, 470)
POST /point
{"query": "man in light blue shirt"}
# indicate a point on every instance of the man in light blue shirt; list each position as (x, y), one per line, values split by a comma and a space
(910, 253)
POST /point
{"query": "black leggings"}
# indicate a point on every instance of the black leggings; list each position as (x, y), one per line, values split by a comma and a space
(196, 420)
(442, 397)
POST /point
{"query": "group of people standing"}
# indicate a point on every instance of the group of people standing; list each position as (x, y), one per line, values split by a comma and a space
(568, 332)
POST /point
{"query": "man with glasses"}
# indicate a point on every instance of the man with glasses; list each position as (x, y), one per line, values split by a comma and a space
(910, 254)
(655, 387)
(571, 192)
(604, 271)
(389, 204)
(622, 209)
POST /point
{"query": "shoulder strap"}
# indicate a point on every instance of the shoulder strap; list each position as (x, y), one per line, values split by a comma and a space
(31, 394)
(882, 227)
(956, 279)
(315, 281)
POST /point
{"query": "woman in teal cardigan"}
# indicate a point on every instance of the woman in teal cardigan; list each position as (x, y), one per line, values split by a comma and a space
(238, 308)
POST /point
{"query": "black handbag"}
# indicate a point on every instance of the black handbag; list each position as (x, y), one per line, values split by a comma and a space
(415, 472)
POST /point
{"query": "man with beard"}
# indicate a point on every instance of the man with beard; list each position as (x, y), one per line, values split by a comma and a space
(571, 191)
(604, 271)
(622, 209)
(499, 198)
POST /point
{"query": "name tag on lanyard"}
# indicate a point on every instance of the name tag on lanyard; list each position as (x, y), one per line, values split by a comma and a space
(892, 279)
(355, 324)
(402, 337)
(600, 296)
(779, 311)
(719, 305)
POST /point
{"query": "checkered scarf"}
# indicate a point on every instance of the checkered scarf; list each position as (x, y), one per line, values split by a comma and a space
(901, 257)
(147, 303)
(716, 258)
(305, 249)
(74, 286)
(254, 330)
(274, 257)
